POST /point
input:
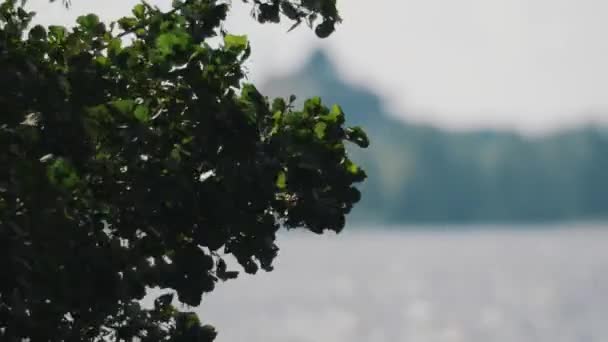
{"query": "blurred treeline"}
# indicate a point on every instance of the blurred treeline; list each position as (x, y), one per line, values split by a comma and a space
(422, 174)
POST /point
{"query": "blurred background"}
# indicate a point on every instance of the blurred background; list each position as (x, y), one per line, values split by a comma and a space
(483, 217)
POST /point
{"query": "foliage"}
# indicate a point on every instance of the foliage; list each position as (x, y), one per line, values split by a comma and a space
(133, 156)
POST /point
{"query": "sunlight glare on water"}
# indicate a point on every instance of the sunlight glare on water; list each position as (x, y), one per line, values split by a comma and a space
(499, 285)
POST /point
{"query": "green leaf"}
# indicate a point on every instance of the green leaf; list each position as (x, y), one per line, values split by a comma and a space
(142, 113)
(320, 128)
(357, 136)
(88, 22)
(114, 47)
(99, 113)
(235, 43)
(23, 14)
(123, 106)
(166, 43)
(191, 320)
(207, 333)
(335, 116)
(165, 26)
(276, 117)
(278, 105)
(354, 171)
(57, 32)
(325, 29)
(127, 23)
(281, 180)
(276, 122)
(254, 103)
(269, 13)
(351, 167)
(290, 11)
(176, 153)
(250, 93)
(139, 11)
(312, 106)
(103, 61)
(37, 32)
(61, 173)
(164, 301)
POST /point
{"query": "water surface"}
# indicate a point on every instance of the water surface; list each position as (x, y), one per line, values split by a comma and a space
(474, 285)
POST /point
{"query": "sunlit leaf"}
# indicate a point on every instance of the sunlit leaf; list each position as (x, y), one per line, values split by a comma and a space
(139, 11)
(235, 43)
(281, 180)
(320, 128)
(142, 113)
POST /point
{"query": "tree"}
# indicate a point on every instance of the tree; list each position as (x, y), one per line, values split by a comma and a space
(133, 156)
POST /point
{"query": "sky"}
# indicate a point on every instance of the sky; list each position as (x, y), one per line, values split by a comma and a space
(531, 65)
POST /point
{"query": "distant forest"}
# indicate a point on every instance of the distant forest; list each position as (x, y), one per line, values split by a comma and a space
(418, 173)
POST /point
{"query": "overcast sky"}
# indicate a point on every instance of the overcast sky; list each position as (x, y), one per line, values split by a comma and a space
(534, 65)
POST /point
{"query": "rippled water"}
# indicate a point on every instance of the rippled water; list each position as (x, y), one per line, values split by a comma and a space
(511, 285)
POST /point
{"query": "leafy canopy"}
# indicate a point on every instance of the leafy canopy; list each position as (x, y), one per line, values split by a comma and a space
(133, 156)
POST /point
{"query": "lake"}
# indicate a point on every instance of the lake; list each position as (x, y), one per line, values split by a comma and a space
(511, 284)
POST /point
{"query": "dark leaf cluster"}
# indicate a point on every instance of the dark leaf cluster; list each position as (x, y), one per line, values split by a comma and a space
(322, 15)
(133, 156)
